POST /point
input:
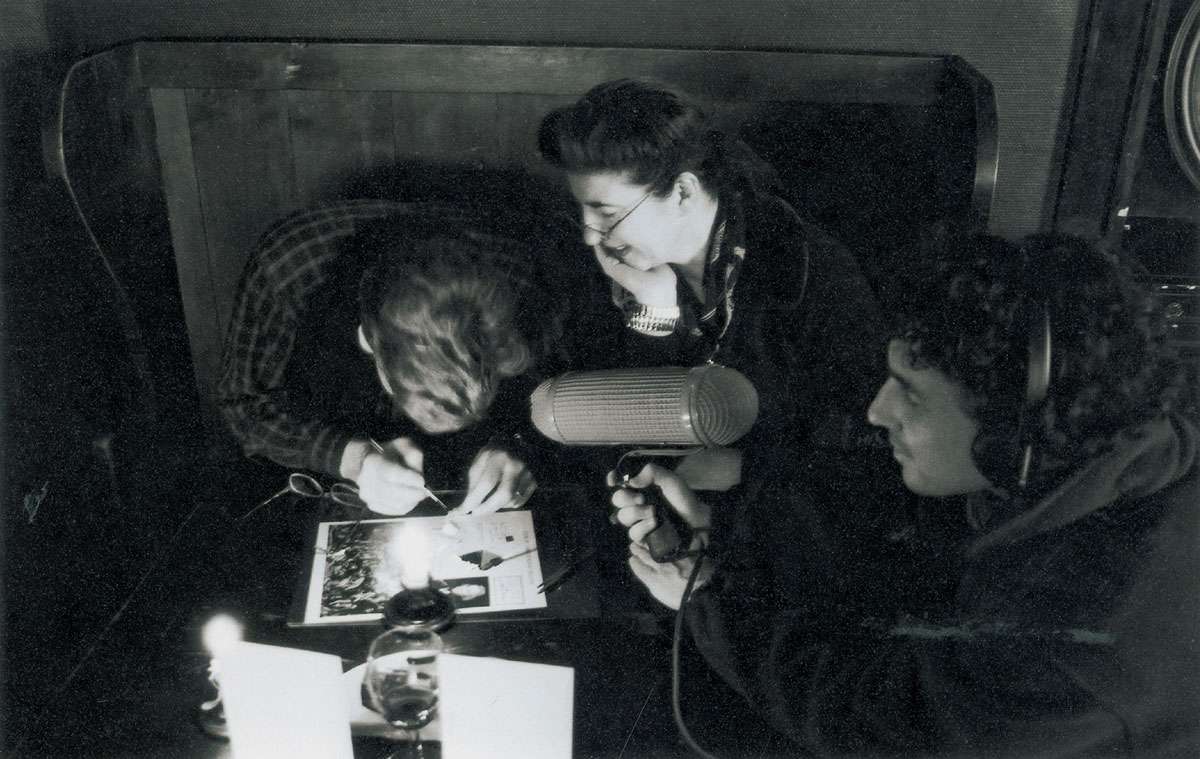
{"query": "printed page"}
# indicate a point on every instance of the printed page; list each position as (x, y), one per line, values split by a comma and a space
(487, 563)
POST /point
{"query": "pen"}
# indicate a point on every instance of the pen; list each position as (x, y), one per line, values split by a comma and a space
(557, 578)
(380, 450)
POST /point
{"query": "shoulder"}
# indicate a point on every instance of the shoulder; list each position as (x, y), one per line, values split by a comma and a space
(297, 247)
(788, 248)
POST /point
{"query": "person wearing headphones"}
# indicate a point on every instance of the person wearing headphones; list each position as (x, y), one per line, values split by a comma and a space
(1044, 598)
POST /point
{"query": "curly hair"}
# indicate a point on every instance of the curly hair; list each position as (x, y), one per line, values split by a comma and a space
(1110, 369)
(653, 131)
(440, 306)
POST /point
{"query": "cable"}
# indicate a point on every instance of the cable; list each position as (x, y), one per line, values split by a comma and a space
(153, 570)
(675, 705)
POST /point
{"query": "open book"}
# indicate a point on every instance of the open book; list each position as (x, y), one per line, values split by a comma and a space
(487, 563)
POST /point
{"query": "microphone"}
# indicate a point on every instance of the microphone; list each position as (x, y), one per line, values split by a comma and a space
(702, 406)
(705, 406)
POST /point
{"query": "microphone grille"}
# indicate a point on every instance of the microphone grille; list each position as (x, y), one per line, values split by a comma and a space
(677, 406)
(726, 405)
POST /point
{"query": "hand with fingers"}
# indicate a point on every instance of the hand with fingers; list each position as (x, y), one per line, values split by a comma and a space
(497, 480)
(652, 287)
(392, 479)
(665, 580)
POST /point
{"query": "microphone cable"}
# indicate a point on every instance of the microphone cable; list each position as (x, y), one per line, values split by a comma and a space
(676, 708)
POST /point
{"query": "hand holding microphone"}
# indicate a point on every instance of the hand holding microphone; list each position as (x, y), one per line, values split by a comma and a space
(666, 577)
(646, 500)
(688, 407)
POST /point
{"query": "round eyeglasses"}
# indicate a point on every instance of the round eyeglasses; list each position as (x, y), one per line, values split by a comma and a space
(621, 217)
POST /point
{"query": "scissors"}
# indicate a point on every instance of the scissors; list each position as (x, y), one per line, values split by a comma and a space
(306, 485)
(341, 493)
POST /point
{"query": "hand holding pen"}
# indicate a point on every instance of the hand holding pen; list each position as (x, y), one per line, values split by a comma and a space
(414, 459)
(391, 480)
(497, 480)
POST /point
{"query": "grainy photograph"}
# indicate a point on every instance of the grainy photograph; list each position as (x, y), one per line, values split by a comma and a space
(865, 338)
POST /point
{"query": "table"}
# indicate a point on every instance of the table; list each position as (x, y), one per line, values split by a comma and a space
(137, 691)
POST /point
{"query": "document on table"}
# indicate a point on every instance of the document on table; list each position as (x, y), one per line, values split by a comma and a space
(487, 563)
(283, 702)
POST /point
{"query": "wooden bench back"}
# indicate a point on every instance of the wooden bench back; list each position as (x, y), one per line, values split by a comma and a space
(234, 135)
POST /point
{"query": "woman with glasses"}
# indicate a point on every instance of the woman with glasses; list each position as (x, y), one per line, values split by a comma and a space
(706, 263)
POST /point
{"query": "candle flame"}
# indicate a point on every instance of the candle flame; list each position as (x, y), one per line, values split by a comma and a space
(220, 633)
(411, 549)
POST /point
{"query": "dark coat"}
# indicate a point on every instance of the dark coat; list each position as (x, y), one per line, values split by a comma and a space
(1067, 629)
(805, 330)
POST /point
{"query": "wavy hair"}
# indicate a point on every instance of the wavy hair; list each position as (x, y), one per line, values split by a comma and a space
(440, 306)
(653, 131)
(1109, 366)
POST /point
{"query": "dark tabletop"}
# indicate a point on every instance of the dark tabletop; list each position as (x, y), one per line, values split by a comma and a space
(136, 689)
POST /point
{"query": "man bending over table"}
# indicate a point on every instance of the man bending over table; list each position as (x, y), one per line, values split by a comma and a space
(1044, 601)
(385, 343)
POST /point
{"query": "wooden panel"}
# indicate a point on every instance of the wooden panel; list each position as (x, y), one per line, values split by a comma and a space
(250, 131)
(458, 128)
(245, 179)
(821, 77)
(1117, 69)
(517, 121)
(336, 135)
(174, 139)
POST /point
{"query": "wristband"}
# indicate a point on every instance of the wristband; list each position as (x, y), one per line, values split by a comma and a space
(656, 321)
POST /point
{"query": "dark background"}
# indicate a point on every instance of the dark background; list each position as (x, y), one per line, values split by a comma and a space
(1074, 82)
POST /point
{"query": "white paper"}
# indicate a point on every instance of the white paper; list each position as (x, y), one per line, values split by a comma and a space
(358, 566)
(284, 702)
(499, 709)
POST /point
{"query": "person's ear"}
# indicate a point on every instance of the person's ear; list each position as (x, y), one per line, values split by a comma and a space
(689, 189)
(362, 341)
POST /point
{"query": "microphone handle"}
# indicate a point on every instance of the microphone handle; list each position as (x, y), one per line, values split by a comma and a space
(663, 541)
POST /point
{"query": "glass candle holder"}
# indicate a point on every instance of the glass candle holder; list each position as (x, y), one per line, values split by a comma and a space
(419, 609)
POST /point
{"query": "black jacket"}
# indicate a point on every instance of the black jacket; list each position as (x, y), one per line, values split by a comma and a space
(805, 329)
(1067, 629)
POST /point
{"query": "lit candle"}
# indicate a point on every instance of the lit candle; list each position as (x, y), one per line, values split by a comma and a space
(220, 633)
(411, 550)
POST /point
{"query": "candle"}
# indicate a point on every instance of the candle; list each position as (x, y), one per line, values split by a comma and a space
(220, 634)
(411, 550)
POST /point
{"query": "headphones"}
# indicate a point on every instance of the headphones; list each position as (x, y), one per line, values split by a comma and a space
(1007, 458)
(1037, 386)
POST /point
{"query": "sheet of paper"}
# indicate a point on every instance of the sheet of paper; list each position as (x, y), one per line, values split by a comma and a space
(487, 707)
(501, 709)
(283, 702)
(487, 562)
